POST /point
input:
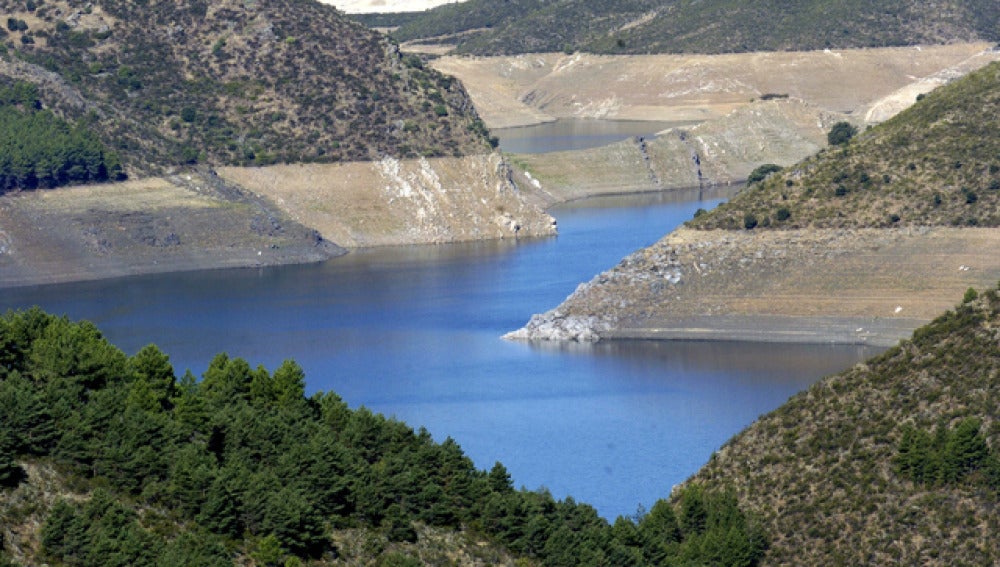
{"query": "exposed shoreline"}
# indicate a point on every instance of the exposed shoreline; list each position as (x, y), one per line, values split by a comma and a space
(824, 286)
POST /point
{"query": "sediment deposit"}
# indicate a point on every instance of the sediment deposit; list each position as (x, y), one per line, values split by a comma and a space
(189, 221)
(391, 202)
(863, 286)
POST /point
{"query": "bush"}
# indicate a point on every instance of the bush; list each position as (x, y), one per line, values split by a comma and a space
(749, 221)
(783, 214)
(841, 133)
(761, 172)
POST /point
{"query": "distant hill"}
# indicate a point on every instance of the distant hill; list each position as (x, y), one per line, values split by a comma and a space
(484, 27)
(935, 164)
(233, 82)
(894, 462)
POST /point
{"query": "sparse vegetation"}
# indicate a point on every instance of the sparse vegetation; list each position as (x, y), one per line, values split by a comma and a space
(484, 27)
(891, 462)
(240, 84)
(934, 164)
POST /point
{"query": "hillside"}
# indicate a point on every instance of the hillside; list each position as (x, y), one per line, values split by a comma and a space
(698, 26)
(233, 83)
(896, 461)
(108, 459)
(935, 164)
(861, 243)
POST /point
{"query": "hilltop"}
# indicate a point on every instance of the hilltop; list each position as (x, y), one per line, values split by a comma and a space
(483, 27)
(896, 461)
(235, 83)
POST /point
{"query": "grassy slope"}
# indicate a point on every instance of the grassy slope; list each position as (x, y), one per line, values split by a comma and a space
(935, 164)
(237, 82)
(700, 26)
(820, 470)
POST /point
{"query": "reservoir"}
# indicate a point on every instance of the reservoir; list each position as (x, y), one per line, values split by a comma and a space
(577, 134)
(415, 333)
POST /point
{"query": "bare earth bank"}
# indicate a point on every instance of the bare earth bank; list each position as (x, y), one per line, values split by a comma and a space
(251, 217)
(187, 222)
(867, 286)
(531, 89)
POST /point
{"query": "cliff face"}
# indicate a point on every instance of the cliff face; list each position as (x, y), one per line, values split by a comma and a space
(401, 201)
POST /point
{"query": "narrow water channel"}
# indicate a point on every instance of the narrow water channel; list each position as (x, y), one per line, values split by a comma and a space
(414, 333)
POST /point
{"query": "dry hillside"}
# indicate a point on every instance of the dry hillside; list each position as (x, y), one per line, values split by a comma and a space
(529, 89)
(235, 82)
(861, 243)
(829, 474)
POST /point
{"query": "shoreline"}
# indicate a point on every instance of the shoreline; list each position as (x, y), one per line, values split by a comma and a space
(870, 331)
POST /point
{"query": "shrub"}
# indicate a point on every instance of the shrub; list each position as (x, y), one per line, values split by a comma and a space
(749, 221)
(761, 172)
(841, 133)
(783, 214)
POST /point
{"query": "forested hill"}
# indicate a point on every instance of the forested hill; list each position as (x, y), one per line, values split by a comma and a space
(485, 27)
(894, 462)
(232, 82)
(108, 459)
(935, 164)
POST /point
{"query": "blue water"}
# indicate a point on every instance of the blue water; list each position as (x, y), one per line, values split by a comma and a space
(577, 134)
(414, 333)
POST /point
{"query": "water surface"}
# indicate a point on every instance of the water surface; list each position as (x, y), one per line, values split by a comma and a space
(413, 332)
(577, 134)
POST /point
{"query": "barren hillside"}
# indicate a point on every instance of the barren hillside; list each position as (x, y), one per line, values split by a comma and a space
(401, 202)
(529, 89)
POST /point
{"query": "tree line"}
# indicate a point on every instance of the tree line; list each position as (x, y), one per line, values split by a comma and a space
(40, 149)
(242, 462)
